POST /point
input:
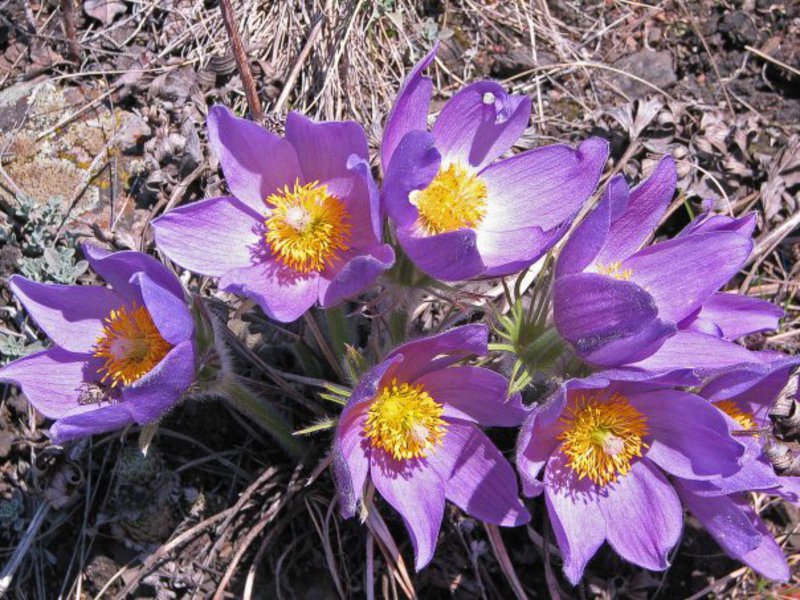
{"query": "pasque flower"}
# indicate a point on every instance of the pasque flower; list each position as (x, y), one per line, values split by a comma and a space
(302, 224)
(458, 212)
(411, 427)
(606, 448)
(120, 355)
(659, 306)
(745, 396)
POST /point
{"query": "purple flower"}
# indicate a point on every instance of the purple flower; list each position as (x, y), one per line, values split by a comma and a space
(745, 396)
(605, 452)
(121, 355)
(411, 427)
(655, 307)
(302, 225)
(458, 212)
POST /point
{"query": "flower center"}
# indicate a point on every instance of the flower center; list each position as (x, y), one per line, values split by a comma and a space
(742, 417)
(615, 270)
(307, 228)
(600, 438)
(455, 199)
(405, 421)
(130, 344)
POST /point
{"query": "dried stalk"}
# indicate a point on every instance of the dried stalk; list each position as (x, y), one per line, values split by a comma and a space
(228, 17)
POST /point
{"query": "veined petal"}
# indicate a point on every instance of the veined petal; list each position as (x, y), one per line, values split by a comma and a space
(431, 353)
(117, 268)
(282, 293)
(646, 204)
(150, 397)
(578, 522)
(417, 492)
(682, 273)
(169, 312)
(324, 149)
(255, 162)
(507, 252)
(609, 322)
(588, 238)
(477, 477)
(688, 437)
(71, 315)
(538, 441)
(737, 315)
(351, 457)
(90, 422)
(542, 187)
(474, 394)
(451, 256)
(480, 123)
(356, 276)
(413, 166)
(410, 109)
(51, 380)
(210, 237)
(643, 516)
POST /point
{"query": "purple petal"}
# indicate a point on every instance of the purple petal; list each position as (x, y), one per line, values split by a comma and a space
(413, 167)
(699, 352)
(607, 321)
(417, 492)
(538, 440)
(647, 203)
(542, 187)
(480, 123)
(357, 275)
(737, 315)
(477, 477)
(429, 354)
(324, 148)
(100, 420)
(210, 237)
(117, 269)
(688, 437)
(507, 252)
(643, 517)
(410, 109)
(372, 231)
(283, 294)
(722, 517)
(708, 222)
(451, 256)
(754, 388)
(151, 396)
(71, 315)
(169, 312)
(684, 272)
(588, 238)
(351, 457)
(255, 162)
(768, 558)
(474, 394)
(573, 507)
(51, 380)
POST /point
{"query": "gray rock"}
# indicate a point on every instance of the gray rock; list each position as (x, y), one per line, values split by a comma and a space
(652, 66)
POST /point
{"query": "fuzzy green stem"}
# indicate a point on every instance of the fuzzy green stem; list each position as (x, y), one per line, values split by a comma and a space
(262, 412)
(337, 329)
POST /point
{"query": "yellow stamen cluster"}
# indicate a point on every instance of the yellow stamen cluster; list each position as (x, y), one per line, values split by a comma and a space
(615, 270)
(405, 421)
(455, 199)
(130, 344)
(308, 227)
(734, 411)
(600, 437)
